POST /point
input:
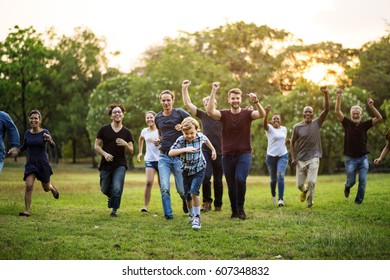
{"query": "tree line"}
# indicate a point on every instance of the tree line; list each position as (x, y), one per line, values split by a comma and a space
(68, 80)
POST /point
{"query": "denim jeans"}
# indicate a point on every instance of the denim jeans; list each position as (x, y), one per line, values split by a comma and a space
(236, 170)
(192, 183)
(277, 168)
(213, 168)
(166, 166)
(111, 184)
(352, 166)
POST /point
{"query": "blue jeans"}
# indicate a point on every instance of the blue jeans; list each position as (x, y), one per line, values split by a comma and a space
(236, 170)
(111, 184)
(277, 168)
(192, 183)
(213, 168)
(166, 166)
(352, 166)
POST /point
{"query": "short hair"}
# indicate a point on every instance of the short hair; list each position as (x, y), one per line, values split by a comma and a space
(188, 123)
(168, 92)
(235, 91)
(356, 107)
(35, 111)
(112, 106)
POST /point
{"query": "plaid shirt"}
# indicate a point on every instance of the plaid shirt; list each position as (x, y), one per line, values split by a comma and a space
(192, 163)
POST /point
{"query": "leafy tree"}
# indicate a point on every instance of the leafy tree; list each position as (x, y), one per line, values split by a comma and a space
(81, 60)
(23, 66)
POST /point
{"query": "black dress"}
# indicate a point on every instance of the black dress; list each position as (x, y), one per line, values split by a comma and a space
(37, 158)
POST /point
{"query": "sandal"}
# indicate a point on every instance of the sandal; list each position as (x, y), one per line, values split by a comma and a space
(23, 214)
(56, 194)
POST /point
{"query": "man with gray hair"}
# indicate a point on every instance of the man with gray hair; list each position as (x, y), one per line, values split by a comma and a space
(308, 151)
(355, 144)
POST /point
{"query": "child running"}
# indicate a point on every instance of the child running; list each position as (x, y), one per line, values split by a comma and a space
(189, 147)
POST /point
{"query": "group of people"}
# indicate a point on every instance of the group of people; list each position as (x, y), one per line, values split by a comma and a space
(175, 144)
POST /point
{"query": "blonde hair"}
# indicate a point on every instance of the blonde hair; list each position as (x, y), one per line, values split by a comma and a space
(188, 123)
(235, 91)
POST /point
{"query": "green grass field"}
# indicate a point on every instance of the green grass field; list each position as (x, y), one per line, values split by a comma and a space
(78, 225)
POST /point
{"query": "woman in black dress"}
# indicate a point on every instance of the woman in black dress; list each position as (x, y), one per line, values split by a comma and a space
(37, 165)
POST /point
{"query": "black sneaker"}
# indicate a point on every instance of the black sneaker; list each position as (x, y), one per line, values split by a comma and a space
(346, 192)
(241, 214)
(234, 214)
(185, 209)
(114, 214)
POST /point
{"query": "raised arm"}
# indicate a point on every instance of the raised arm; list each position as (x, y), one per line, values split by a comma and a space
(186, 98)
(259, 112)
(337, 107)
(211, 111)
(267, 109)
(325, 112)
(377, 116)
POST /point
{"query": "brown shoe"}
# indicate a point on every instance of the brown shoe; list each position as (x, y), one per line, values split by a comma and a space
(206, 207)
(218, 209)
(303, 196)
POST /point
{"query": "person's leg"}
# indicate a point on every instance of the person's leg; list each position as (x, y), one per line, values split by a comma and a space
(242, 172)
(206, 185)
(218, 185)
(164, 172)
(271, 165)
(106, 184)
(1, 165)
(351, 167)
(363, 170)
(30, 179)
(196, 182)
(188, 198)
(149, 172)
(178, 175)
(301, 175)
(281, 167)
(118, 180)
(311, 180)
(229, 169)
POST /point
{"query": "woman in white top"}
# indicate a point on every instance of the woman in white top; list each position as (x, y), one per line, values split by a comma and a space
(149, 135)
(277, 154)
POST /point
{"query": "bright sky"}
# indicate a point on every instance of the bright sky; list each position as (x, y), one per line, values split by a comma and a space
(132, 26)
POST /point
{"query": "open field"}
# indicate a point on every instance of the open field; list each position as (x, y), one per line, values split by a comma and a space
(78, 225)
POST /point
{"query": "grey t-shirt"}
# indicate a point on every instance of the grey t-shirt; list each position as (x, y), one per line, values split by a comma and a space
(308, 138)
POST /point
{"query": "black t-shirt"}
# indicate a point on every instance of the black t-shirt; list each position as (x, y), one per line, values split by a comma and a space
(212, 129)
(355, 137)
(166, 126)
(109, 136)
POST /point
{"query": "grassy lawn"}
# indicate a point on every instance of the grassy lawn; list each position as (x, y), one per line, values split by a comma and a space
(78, 225)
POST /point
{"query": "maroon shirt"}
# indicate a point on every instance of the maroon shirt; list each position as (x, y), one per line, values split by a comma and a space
(236, 132)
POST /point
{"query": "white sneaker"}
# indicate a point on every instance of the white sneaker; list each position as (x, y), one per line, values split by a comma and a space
(280, 203)
(191, 219)
(273, 199)
(196, 223)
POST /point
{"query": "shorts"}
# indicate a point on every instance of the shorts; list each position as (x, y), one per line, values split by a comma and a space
(152, 164)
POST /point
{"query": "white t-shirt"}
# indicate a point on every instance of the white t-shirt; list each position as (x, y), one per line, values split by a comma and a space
(152, 152)
(276, 141)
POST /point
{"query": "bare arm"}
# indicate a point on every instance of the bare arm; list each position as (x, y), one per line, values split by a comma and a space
(265, 122)
(292, 149)
(186, 98)
(98, 148)
(259, 112)
(176, 152)
(127, 145)
(337, 107)
(325, 112)
(384, 152)
(211, 111)
(377, 116)
(141, 141)
(213, 152)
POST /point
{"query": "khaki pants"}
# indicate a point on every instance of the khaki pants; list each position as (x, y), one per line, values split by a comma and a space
(307, 171)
